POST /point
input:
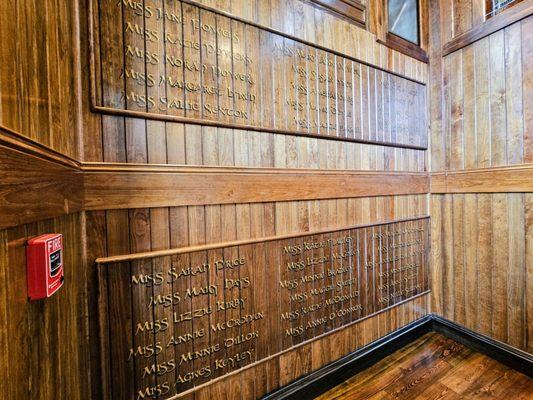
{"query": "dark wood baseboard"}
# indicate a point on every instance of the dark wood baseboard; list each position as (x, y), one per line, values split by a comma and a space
(507, 355)
(333, 374)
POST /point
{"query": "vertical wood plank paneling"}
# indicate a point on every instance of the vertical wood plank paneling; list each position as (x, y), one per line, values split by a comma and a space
(528, 200)
(5, 386)
(527, 88)
(497, 100)
(516, 324)
(41, 75)
(513, 85)
(489, 249)
(485, 264)
(482, 80)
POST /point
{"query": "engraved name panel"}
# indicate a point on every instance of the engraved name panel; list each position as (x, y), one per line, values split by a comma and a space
(181, 61)
(173, 323)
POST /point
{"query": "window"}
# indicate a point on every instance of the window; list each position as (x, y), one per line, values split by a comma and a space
(403, 19)
(405, 28)
(494, 7)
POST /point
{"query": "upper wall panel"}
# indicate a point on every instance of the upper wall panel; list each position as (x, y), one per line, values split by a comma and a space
(486, 95)
(38, 77)
(178, 61)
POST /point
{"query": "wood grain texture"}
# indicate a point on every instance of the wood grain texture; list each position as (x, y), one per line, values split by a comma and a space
(434, 367)
(354, 10)
(485, 114)
(44, 95)
(39, 84)
(237, 92)
(341, 304)
(481, 176)
(469, 27)
(45, 336)
(119, 188)
(485, 268)
(34, 187)
(516, 178)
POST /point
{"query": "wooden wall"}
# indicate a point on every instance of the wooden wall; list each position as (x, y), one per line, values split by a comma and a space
(46, 353)
(44, 92)
(40, 84)
(481, 124)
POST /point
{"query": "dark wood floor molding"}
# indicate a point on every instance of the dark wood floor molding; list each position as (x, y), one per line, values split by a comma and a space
(513, 358)
(500, 21)
(333, 374)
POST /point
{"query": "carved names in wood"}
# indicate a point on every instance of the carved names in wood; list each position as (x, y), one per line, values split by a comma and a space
(177, 60)
(176, 322)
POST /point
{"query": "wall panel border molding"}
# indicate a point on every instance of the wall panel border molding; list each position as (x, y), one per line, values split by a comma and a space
(510, 179)
(206, 247)
(121, 186)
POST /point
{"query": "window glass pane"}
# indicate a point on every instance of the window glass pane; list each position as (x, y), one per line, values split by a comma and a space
(403, 19)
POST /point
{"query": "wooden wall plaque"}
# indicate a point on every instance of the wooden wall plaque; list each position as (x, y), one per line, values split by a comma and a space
(170, 324)
(181, 61)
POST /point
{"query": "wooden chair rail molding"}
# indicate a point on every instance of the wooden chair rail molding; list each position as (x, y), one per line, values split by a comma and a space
(514, 179)
(510, 16)
(120, 187)
(37, 183)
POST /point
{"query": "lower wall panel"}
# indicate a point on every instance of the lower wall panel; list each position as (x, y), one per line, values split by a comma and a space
(48, 349)
(482, 263)
(44, 343)
(116, 232)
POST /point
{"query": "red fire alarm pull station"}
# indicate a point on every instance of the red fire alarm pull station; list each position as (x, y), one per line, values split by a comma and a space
(44, 255)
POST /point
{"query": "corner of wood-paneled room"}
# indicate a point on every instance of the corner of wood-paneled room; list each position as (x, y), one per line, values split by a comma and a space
(266, 199)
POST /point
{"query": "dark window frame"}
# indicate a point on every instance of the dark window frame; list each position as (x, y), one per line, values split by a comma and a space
(490, 12)
(403, 45)
(418, 36)
(351, 10)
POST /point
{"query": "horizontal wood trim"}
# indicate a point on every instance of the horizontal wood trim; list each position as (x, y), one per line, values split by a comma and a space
(117, 188)
(205, 247)
(505, 18)
(35, 188)
(38, 183)
(512, 179)
(14, 140)
(206, 122)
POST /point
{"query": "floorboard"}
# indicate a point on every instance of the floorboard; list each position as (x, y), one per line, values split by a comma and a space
(435, 367)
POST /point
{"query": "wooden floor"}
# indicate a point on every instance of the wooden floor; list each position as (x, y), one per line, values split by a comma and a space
(435, 367)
